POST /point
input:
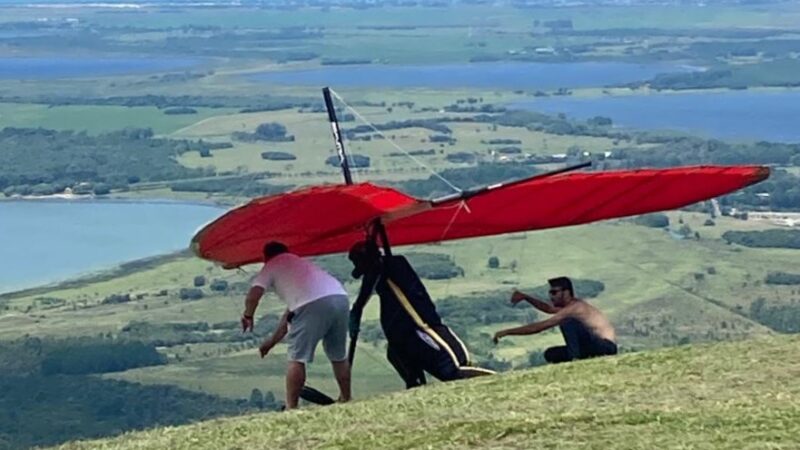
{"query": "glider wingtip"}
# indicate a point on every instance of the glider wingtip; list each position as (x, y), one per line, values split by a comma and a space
(761, 174)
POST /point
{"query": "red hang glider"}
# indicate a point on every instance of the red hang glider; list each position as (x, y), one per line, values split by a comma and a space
(329, 219)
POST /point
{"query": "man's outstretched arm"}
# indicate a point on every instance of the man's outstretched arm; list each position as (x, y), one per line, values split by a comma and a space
(536, 327)
(531, 328)
(542, 306)
(277, 336)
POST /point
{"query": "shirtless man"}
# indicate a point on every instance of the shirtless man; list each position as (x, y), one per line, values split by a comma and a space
(587, 332)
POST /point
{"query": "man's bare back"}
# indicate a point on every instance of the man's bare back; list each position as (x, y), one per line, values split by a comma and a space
(592, 318)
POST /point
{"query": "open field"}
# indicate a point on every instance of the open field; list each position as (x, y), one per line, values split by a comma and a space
(99, 119)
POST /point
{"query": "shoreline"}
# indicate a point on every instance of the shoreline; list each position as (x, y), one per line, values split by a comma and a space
(96, 276)
(108, 272)
(60, 198)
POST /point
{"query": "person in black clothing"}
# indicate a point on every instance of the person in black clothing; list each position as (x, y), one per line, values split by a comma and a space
(418, 341)
(587, 332)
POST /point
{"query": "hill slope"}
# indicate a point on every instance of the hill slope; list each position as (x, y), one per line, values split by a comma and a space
(730, 395)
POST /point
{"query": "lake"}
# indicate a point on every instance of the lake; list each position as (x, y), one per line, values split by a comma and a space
(740, 115)
(500, 75)
(13, 68)
(47, 240)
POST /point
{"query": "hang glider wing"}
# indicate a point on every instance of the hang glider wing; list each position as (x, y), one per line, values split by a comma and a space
(329, 219)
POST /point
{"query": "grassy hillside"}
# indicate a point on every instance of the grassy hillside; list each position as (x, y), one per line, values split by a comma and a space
(731, 395)
(652, 294)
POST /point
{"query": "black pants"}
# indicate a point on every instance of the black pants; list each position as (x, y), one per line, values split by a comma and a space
(600, 347)
(419, 352)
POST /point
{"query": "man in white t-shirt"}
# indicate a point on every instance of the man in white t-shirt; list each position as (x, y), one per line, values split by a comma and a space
(317, 309)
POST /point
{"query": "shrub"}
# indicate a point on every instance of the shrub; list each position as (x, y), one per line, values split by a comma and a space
(190, 294)
(656, 220)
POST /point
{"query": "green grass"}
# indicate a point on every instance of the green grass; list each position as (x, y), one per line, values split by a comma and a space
(99, 119)
(313, 141)
(732, 395)
(235, 375)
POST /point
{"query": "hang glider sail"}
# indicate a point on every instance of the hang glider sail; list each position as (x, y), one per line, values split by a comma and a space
(329, 219)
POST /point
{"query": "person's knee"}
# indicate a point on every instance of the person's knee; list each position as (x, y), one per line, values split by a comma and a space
(554, 355)
(296, 367)
(449, 372)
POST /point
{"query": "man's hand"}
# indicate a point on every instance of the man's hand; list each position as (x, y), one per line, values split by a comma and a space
(355, 324)
(497, 337)
(517, 297)
(265, 347)
(247, 323)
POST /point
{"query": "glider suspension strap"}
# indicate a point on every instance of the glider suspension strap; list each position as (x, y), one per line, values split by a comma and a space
(394, 144)
(379, 231)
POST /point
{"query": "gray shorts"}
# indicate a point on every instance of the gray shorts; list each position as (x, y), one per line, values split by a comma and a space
(323, 319)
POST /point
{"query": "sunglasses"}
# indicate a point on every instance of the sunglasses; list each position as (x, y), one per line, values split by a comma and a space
(555, 291)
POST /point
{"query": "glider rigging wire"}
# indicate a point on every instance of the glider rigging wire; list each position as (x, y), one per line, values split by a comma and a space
(394, 144)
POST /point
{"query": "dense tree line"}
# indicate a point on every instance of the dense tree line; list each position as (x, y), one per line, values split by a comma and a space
(245, 185)
(558, 124)
(76, 356)
(465, 178)
(255, 102)
(429, 124)
(421, 152)
(270, 132)
(344, 61)
(81, 357)
(783, 318)
(773, 73)
(278, 156)
(171, 334)
(47, 410)
(33, 157)
(655, 220)
(431, 266)
(354, 160)
(178, 110)
(782, 278)
(776, 238)
(434, 266)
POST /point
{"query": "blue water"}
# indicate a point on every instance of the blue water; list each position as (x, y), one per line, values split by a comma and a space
(739, 115)
(72, 67)
(484, 75)
(44, 241)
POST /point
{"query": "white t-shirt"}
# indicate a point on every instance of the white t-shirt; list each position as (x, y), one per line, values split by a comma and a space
(296, 280)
